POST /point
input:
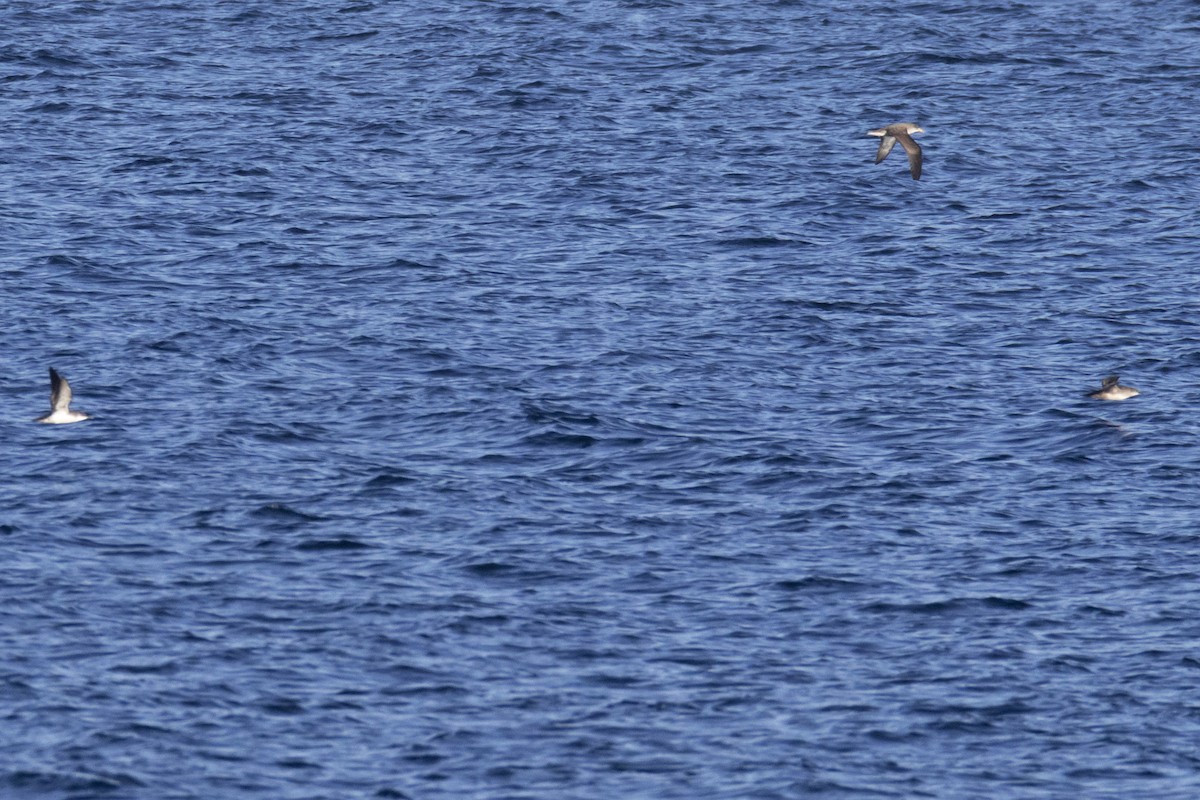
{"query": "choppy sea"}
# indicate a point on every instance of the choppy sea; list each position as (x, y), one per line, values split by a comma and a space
(553, 401)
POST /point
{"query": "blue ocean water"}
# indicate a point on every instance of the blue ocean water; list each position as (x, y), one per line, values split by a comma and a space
(553, 400)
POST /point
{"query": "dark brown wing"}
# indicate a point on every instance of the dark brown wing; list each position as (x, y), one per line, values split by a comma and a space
(914, 153)
(60, 391)
(885, 147)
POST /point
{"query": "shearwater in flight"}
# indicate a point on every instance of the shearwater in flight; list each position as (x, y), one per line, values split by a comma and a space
(60, 402)
(900, 132)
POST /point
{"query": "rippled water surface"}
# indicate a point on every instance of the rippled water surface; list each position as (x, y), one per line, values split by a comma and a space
(555, 401)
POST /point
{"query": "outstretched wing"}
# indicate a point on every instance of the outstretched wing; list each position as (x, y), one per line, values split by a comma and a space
(914, 153)
(885, 147)
(60, 391)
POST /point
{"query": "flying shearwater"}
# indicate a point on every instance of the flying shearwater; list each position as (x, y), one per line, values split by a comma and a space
(60, 402)
(1111, 390)
(900, 132)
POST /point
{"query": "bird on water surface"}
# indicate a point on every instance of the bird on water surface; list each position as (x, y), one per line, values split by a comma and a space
(1111, 390)
(60, 402)
(900, 132)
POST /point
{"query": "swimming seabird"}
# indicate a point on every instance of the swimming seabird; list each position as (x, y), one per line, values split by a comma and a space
(60, 402)
(900, 132)
(1111, 390)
